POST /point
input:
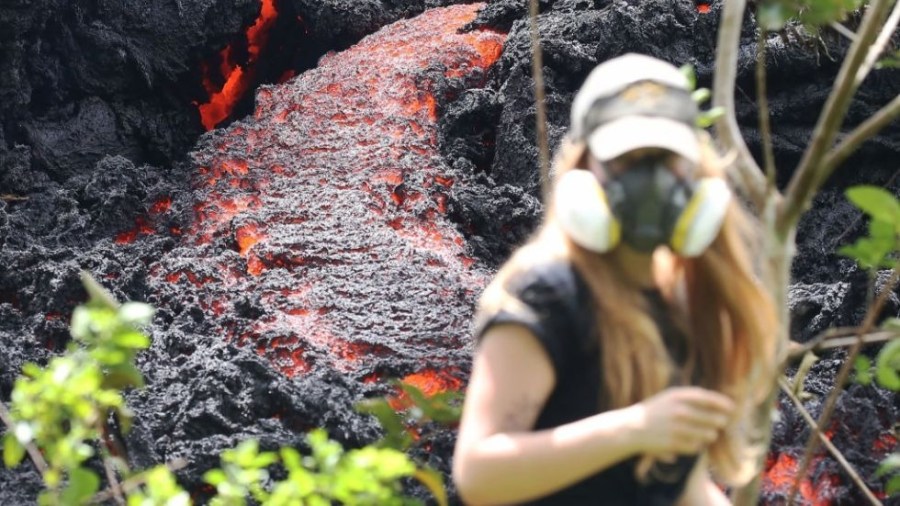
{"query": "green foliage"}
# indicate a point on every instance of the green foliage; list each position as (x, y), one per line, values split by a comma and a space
(878, 249)
(444, 408)
(708, 117)
(160, 489)
(366, 476)
(63, 408)
(773, 15)
(889, 61)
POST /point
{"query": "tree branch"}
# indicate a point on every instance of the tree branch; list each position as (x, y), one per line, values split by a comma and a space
(134, 482)
(762, 99)
(749, 177)
(878, 46)
(844, 373)
(824, 341)
(537, 74)
(838, 456)
(865, 131)
(32, 450)
(803, 184)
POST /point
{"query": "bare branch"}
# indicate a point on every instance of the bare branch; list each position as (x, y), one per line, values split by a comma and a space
(114, 485)
(866, 130)
(842, 376)
(826, 342)
(7, 197)
(843, 30)
(877, 47)
(765, 128)
(134, 482)
(537, 74)
(838, 456)
(803, 184)
(32, 450)
(750, 178)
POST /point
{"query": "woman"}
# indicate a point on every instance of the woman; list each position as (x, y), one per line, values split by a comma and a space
(620, 349)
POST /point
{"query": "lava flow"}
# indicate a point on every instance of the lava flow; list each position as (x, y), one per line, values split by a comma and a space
(320, 236)
(236, 77)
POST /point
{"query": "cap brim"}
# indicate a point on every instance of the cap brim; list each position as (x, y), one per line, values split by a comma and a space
(635, 132)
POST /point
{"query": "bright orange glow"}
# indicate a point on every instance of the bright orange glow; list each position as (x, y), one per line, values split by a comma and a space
(430, 382)
(129, 236)
(703, 8)
(780, 475)
(247, 236)
(237, 77)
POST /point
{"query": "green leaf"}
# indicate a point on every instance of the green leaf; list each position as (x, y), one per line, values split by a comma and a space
(891, 324)
(13, 451)
(215, 476)
(434, 482)
(893, 486)
(80, 327)
(863, 366)
(876, 202)
(122, 376)
(772, 15)
(887, 366)
(82, 485)
(291, 458)
(688, 71)
(99, 296)
(700, 96)
(132, 339)
(888, 465)
(136, 313)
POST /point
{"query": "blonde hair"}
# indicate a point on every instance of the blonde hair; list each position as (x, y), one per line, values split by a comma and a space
(728, 319)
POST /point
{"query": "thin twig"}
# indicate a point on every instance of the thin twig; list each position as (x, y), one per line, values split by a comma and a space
(32, 450)
(838, 456)
(765, 128)
(537, 74)
(806, 181)
(822, 342)
(750, 179)
(6, 197)
(114, 485)
(864, 131)
(134, 482)
(878, 46)
(844, 373)
(843, 30)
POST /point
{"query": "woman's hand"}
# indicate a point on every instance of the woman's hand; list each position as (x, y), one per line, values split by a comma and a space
(682, 420)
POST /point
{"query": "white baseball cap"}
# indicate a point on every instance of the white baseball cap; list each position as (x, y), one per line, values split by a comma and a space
(635, 101)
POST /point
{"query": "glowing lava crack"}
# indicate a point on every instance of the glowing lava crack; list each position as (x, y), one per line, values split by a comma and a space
(321, 237)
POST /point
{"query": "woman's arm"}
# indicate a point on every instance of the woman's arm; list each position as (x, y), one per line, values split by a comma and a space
(700, 489)
(497, 458)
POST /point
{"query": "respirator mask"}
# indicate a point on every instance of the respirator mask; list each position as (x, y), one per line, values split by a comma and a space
(626, 104)
(646, 205)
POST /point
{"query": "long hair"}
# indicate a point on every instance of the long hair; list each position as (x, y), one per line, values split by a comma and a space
(728, 320)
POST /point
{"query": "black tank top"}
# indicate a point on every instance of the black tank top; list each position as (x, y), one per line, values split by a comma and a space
(557, 307)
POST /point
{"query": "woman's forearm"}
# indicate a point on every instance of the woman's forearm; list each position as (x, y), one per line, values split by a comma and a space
(514, 467)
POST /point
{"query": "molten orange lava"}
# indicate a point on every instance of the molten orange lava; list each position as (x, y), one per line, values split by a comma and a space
(141, 227)
(780, 475)
(237, 77)
(430, 382)
(247, 236)
(703, 8)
